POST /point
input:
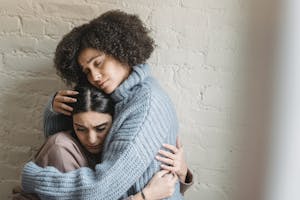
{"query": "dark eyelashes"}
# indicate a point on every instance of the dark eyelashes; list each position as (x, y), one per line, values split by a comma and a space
(97, 129)
(86, 71)
(100, 129)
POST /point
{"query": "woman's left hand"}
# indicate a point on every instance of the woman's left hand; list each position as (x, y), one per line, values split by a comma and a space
(174, 160)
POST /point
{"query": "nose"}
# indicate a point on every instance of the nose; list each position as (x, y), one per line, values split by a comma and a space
(96, 76)
(92, 138)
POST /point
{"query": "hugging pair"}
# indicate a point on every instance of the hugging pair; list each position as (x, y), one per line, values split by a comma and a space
(119, 127)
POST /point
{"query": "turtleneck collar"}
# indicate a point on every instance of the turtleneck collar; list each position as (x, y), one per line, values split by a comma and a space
(137, 75)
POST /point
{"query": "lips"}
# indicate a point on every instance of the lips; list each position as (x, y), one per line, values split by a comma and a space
(93, 147)
(102, 84)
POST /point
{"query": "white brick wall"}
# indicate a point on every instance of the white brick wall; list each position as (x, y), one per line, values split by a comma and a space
(197, 61)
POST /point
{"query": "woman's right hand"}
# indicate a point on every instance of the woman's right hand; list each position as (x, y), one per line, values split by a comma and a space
(161, 186)
(61, 98)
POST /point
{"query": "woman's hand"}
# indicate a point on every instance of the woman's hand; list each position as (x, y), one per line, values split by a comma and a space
(61, 98)
(174, 160)
(161, 186)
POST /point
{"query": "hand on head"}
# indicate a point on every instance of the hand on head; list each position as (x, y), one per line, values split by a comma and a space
(61, 99)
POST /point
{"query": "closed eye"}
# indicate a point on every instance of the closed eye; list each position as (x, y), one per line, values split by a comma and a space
(100, 129)
(80, 129)
(98, 63)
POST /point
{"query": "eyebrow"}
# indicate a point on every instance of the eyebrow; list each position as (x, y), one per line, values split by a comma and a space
(90, 60)
(103, 124)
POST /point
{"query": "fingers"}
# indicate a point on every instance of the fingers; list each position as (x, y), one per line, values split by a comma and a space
(171, 147)
(61, 98)
(65, 99)
(66, 107)
(64, 112)
(175, 178)
(167, 154)
(171, 177)
(165, 160)
(169, 168)
(161, 173)
(62, 106)
(67, 92)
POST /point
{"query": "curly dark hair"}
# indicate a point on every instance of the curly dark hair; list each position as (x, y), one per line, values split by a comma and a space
(115, 33)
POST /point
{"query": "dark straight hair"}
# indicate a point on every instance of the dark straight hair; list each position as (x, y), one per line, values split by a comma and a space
(91, 99)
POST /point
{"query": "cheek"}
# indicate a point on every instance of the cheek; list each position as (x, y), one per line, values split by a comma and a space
(92, 82)
(105, 135)
(101, 137)
(111, 72)
(81, 137)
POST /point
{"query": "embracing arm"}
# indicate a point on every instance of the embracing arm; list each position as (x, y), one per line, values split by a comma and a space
(161, 186)
(129, 154)
(174, 161)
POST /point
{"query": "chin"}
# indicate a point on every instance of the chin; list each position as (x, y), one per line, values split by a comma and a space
(108, 91)
(94, 151)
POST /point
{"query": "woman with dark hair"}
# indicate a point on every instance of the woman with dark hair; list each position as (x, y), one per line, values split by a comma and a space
(81, 147)
(110, 52)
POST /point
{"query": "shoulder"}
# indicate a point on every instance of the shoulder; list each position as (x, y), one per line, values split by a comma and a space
(155, 94)
(62, 134)
(150, 99)
(61, 138)
(150, 90)
(60, 150)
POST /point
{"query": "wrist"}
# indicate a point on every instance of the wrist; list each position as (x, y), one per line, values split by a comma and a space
(137, 196)
(183, 175)
(145, 193)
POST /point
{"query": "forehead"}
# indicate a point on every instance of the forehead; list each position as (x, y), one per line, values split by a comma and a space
(88, 54)
(91, 118)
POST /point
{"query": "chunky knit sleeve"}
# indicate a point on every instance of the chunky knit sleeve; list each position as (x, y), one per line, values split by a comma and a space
(55, 122)
(134, 140)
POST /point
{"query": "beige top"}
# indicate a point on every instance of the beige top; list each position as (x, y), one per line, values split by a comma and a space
(63, 152)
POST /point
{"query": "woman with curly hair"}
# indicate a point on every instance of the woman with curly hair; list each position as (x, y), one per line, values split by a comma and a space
(110, 52)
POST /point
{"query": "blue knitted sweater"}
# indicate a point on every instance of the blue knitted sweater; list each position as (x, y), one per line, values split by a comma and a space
(144, 119)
